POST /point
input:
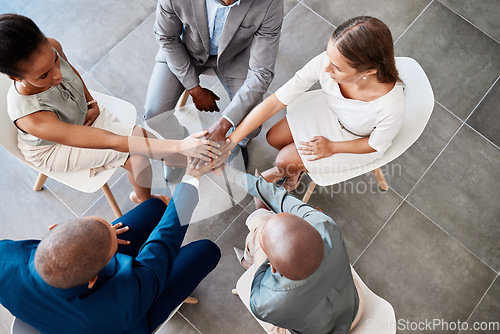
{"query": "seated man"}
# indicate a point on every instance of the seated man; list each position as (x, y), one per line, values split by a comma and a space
(78, 279)
(303, 279)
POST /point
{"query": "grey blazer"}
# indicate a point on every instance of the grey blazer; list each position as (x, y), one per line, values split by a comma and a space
(248, 46)
(324, 303)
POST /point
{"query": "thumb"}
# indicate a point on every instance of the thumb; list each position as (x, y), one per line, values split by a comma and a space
(315, 138)
(215, 96)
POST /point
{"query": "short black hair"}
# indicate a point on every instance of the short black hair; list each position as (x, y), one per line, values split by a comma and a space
(19, 39)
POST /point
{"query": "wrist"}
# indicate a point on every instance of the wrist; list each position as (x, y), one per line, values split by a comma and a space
(332, 147)
(224, 124)
(195, 90)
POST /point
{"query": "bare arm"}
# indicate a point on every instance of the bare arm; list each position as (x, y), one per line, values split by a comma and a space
(261, 113)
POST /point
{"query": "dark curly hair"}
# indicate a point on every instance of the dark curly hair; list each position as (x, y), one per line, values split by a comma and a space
(19, 39)
(367, 44)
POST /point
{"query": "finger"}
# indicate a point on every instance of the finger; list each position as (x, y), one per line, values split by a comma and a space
(212, 143)
(117, 225)
(122, 230)
(315, 138)
(305, 143)
(215, 96)
(306, 152)
(210, 154)
(123, 242)
(199, 135)
(194, 163)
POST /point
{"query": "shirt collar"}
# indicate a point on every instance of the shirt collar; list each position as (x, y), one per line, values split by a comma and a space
(236, 3)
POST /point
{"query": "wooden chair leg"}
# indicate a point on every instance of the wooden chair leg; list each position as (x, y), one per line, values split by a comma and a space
(40, 181)
(191, 300)
(111, 199)
(379, 176)
(309, 191)
(182, 100)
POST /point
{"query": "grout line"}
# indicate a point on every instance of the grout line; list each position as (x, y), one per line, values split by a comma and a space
(448, 110)
(243, 210)
(470, 22)
(380, 230)
(55, 195)
(411, 24)
(291, 10)
(432, 163)
(189, 322)
(480, 134)
(487, 290)
(480, 101)
(461, 244)
(303, 4)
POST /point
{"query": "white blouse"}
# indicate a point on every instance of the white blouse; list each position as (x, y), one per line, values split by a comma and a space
(380, 119)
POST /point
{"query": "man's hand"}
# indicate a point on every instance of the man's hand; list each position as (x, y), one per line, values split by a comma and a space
(217, 132)
(92, 114)
(197, 170)
(204, 99)
(119, 229)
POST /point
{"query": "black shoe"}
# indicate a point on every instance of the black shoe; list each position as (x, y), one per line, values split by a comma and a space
(244, 154)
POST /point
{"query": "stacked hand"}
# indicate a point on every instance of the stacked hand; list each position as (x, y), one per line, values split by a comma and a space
(196, 147)
(318, 146)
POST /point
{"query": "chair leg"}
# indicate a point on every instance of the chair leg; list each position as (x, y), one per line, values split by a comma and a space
(379, 176)
(182, 100)
(191, 300)
(40, 181)
(309, 191)
(111, 199)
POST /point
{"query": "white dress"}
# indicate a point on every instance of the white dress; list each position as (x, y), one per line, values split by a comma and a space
(380, 119)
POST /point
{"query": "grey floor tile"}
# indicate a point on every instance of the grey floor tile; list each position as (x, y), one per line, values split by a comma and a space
(6, 7)
(483, 13)
(358, 207)
(403, 173)
(397, 14)
(486, 117)
(486, 313)
(219, 312)
(26, 213)
(178, 325)
(405, 265)
(88, 29)
(299, 45)
(5, 320)
(461, 62)
(289, 5)
(126, 69)
(459, 194)
(76, 200)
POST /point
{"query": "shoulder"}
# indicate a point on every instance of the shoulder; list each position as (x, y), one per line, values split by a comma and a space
(55, 44)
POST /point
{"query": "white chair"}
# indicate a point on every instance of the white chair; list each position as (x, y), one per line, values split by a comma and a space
(20, 327)
(78, 180)
(378, 316)
(419, 106)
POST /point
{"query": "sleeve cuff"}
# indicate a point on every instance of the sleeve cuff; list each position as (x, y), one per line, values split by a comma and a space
(229, 120)
(191, 180)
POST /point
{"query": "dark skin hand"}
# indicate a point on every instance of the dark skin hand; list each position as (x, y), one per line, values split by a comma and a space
(204, 99)
(217, 132)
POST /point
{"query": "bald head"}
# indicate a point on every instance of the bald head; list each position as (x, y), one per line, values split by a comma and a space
(294, 247)
(74, 252)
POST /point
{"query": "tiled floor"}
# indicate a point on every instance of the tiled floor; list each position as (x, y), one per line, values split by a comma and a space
(430, 245)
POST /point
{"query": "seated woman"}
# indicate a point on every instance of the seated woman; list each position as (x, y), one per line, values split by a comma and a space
(365, 99)
(61, 127)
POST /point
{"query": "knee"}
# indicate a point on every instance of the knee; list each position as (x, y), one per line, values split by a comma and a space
(272, 139)
(210, 250)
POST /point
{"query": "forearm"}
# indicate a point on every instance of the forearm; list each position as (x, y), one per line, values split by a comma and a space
(358, 146)
(261, 113)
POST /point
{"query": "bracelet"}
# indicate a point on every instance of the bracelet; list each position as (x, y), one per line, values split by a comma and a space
(90, 102)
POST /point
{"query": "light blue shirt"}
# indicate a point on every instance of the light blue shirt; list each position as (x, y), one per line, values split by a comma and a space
(217, 15)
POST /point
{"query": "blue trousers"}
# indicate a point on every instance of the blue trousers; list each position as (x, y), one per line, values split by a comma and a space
(194, 261)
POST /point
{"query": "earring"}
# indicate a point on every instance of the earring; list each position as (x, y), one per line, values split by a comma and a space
(23, 84)
(364, 78)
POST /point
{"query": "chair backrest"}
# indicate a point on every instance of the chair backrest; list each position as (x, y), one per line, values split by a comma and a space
(20, 327)
(79, 180)
(419, 106)
(378, 316)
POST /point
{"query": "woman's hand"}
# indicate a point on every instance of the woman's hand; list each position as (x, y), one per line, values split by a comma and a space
(318, 146)
(195, 146)
(119, 229)
(92, 114)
